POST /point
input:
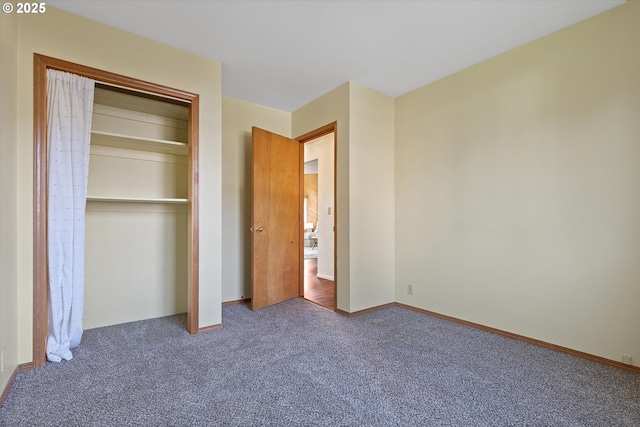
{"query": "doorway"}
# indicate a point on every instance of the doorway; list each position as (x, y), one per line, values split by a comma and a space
(319, 248)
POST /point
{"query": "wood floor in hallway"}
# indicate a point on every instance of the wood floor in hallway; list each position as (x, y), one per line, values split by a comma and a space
(320, 291)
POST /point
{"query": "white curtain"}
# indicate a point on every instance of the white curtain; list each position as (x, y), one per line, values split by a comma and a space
(69, 106)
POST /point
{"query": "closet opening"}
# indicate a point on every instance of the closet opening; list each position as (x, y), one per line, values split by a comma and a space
(142, 202)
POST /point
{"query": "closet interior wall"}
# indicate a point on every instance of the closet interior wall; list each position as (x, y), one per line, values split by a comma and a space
(136, 255)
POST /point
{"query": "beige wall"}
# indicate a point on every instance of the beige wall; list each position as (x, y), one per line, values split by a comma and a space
(9, 340)
(364, 210)
(322, 149)
(518, 189)
(237, 119)
(334, 107)
(76, 39)
(371, 189)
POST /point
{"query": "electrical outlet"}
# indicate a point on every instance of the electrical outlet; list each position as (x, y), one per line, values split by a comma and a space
(410, 289)
(626, 359)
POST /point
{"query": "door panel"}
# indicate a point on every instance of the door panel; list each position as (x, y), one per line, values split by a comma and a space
(275, 241)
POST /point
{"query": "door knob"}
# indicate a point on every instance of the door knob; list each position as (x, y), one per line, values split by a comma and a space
(259, 229)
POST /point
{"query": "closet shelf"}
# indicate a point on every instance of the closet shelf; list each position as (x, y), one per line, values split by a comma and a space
(111, 139)
(137, 200)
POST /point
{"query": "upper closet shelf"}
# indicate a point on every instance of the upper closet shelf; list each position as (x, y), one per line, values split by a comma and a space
(139, 143)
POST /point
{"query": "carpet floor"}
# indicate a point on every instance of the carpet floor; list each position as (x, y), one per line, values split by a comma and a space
(297, 364)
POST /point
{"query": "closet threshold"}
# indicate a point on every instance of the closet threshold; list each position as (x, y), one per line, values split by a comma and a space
(137, 200)
(117, 140)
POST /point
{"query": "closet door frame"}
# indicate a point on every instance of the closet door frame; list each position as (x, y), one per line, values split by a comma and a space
(40, 272)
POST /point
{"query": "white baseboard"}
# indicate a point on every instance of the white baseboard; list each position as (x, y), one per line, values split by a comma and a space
(325, 276)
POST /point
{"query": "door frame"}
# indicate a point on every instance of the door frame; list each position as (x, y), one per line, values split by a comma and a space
(128, 84)
(308, 137)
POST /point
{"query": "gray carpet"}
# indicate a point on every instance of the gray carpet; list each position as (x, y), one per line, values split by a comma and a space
(298, 364)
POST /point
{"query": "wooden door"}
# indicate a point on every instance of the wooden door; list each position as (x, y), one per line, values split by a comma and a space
(275, 240)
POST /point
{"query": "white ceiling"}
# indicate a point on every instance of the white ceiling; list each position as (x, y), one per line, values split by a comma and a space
(284, 54)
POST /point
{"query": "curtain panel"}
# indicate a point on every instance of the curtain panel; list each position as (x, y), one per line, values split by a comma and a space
(69, 110)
